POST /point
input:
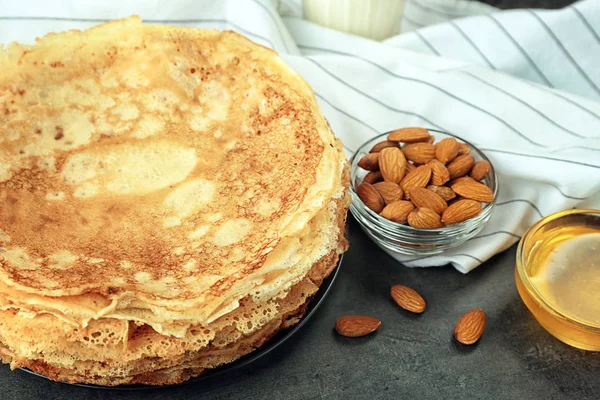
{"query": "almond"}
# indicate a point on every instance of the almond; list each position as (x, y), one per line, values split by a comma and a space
(424, 218)
(417, 178)
(356, 325)
(461, 211)
(439, 172)
(470, 326)
(390, 191)
(370, 196)
(373, 177)
(422, 197)
(409, 135)
(382, 145)
(398, 211)
(461, 179)
(408, 299)
(480, 170)
(419, 153)
(370, 162)
(463, 149)
(446, 150)
(443, 191)
(410, 167)
(460, 166)
(392, 164)
(471, 189)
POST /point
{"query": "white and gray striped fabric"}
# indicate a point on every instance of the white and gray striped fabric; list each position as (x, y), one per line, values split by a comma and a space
(522, 85)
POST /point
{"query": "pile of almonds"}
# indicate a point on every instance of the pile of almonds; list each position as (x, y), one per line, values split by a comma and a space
(468, 330)
(425, 184)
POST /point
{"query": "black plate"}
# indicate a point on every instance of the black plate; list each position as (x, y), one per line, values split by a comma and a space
(277, 340)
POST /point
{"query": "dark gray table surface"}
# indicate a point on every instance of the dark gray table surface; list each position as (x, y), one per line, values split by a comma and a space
(409, 357)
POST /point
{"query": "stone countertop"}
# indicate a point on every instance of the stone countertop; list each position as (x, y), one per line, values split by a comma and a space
(409, 357)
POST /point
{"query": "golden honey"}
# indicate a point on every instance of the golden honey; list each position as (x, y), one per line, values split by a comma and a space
(558, 276)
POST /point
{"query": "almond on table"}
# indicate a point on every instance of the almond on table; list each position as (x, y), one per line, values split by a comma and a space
(356, 325)
(408, 299)
(470, 326)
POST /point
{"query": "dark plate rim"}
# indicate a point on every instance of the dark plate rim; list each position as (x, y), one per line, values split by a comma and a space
(271, 345)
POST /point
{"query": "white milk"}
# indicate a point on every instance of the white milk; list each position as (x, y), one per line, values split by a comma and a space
(374, 19)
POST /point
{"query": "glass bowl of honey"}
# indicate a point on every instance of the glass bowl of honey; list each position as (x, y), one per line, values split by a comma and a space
(558, 276)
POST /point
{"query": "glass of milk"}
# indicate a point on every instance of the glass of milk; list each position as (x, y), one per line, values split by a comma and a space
(373, 19)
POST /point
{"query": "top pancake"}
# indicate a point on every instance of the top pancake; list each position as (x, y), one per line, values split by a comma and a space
(158, 160)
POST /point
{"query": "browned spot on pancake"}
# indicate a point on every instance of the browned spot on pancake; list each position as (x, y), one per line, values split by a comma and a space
(59, 133)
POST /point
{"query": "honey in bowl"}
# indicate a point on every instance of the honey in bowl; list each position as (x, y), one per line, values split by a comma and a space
(558, 276)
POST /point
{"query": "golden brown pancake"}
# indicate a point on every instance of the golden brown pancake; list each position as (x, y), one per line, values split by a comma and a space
(169, 198)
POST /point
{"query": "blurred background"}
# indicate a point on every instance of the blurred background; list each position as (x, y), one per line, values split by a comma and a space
(528, 3)
(382, 19)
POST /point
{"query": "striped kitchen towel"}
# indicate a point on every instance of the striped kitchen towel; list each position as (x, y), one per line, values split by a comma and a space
(522, 85)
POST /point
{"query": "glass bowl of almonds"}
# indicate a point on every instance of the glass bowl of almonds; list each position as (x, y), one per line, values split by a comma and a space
(419, 191)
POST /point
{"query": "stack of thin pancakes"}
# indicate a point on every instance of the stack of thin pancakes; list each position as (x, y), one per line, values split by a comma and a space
(170, 198)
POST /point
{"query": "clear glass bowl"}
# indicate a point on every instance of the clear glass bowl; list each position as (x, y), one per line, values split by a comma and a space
(571, 324)
(405, 239)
